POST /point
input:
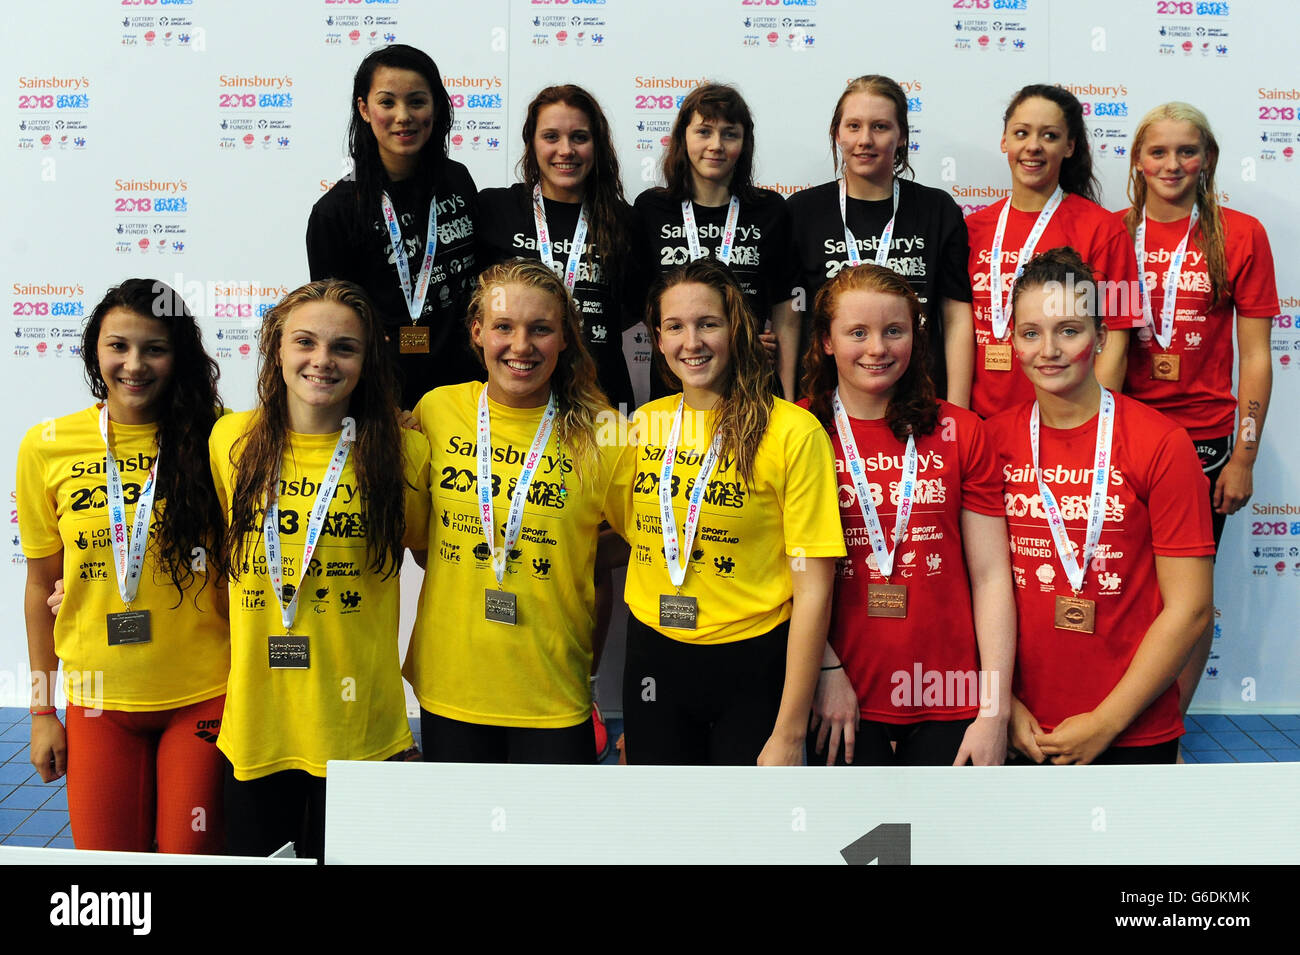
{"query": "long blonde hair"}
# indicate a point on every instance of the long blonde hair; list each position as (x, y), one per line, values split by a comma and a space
(578, 398)
(742, 416)
(1209, 228)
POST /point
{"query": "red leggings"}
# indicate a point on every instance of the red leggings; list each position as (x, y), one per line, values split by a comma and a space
(134, 778)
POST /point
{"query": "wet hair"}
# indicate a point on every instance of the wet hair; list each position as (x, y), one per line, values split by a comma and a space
(1077, 175)
(1065, 270)
(1208, 235)
(187, 408)
(578, 398)
(715, 102)
(913, 408)
(742, 416)
(876, 85)
(376, 456)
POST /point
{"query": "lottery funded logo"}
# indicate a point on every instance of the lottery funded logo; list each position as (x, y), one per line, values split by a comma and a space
(52, 112)
(345, 25)
(777, 24)
(254, 111)
(173, 30)
(1186, 28)
(48, 316)
(572, 29)
(479, 101)
(1275, 538)
(1106, 114)
(150, 216)
(995, 25)
(1276, 113)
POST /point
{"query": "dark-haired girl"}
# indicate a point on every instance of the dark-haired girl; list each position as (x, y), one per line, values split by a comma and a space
(1053, 202)
(322, 492)
(569, 212)
(922, 633)
(711, 207)
(402, 225)
(115, 500)
(735, 535)
(1111, 549)
(870, 213)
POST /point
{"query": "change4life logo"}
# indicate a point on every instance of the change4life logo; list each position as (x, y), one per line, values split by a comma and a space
(52, 112)
(151, 216)
(991, 25)
(345, 26)
(171, 31)
(562, 30)
(1191, 28)
(1276, 111)
(1275, 538)
(777, 24)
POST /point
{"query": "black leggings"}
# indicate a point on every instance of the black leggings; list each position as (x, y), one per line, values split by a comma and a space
(446, 740)
(927, 743)
(1214, 455)
(263, 814)
(700, 705)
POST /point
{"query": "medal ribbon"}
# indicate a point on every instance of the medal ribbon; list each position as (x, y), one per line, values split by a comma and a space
(570, 273)
(1075, 571)
(679, 558)
(128, 551)
(907, 490)
(515, 520)
(851, 244)
(414, 302)
(728, 231)
(999, 301)
(1165, 331)
(271, 526)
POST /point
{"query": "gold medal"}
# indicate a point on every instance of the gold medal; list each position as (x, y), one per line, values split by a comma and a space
(997, 357)
(1075, 613)
(413, 340)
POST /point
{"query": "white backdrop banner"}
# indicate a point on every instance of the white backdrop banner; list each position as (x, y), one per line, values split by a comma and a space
(186, 140)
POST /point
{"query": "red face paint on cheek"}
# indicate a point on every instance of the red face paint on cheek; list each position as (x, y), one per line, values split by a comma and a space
(1083, 356)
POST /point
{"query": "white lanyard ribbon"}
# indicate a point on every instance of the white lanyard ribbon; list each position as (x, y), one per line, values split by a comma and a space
(1075, 570)
(414, 301)
(570, 273)
(679, 558)
(907, 490)
(728, 231)
(515, 520)
(319, 510)
(851, 244)
(128, 551)
(999, 299)
(1165, 331)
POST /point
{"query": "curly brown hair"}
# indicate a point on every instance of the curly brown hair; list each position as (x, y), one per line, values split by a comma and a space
(913, 408)
(742, 416)
(376, 456)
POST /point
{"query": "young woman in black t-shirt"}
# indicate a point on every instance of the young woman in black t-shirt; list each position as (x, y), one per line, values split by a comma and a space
(403, 193)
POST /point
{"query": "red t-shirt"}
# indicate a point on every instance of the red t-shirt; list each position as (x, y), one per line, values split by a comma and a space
(1201, 400)
(891, 661)
(1157, 503)
(1078, 223)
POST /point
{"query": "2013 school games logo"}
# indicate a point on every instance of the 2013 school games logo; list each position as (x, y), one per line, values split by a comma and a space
(49, 316)
(151, 216)
(1192, 28)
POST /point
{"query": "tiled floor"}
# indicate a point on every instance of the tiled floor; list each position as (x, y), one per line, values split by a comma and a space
(33, 813)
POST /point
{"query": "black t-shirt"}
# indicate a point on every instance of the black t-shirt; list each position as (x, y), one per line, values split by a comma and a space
(929, 248)
(508, 230)
(342, 243)
(762, 255)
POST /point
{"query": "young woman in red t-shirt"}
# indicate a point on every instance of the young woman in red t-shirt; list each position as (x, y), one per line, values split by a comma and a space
(1180, 361)
(907, 636)
(1114, 576)
(1053, 203)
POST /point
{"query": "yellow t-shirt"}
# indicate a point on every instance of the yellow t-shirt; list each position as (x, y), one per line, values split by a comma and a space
(535, 673)
(63, 505)
(349, 704)
(738, 569)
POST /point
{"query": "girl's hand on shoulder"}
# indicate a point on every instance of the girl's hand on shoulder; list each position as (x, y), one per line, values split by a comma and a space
(835, 714)
(408, 420)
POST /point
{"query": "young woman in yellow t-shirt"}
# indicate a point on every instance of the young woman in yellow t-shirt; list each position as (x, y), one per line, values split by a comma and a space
(114, 500)
(502, 645)
(735, 528)
(322, 492)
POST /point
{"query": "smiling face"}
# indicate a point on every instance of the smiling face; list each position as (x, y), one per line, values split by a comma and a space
(868, 137)
(1171, 159)
(400, 112)
(1036, 142)
(135, 361)
(322, 350)
(870, 339)
(713, 147)
(695, 338)
(521, 334)
(1056, 340)
(565, 150)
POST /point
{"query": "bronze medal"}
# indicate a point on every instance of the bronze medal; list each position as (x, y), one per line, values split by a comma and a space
(997, 357)
(1164, 366)
(413, 340)
(887, 600)
(1075, 613)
